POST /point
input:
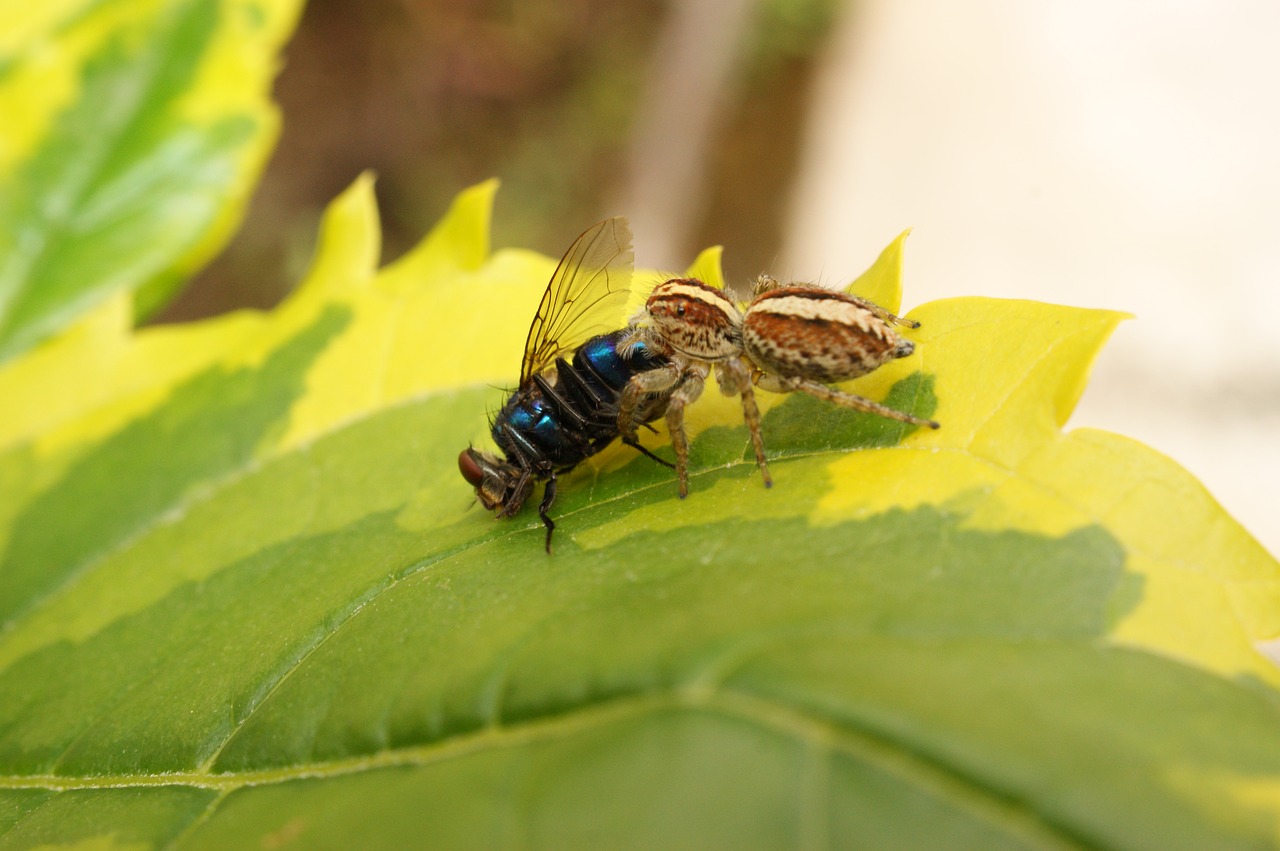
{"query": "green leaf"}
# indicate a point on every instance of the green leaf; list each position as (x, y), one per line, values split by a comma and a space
(134, 132)
(246, 600)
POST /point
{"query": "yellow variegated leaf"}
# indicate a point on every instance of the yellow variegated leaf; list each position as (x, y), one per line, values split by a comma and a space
(133, 133)
(246, 601)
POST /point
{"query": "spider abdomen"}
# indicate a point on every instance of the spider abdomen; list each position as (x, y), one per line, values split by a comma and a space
(821, 335)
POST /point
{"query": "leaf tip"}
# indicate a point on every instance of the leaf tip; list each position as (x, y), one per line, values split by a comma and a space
(350, 233)
(882, 281)
(707, 267)
(460, 240)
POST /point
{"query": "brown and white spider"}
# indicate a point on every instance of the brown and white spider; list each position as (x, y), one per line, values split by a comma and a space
(789, 338)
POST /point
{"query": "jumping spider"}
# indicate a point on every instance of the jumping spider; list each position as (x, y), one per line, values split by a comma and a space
(789, 338)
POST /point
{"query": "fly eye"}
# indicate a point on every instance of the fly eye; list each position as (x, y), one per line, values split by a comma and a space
(470, 468)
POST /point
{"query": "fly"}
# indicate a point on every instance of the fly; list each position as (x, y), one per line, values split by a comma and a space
(566, 407)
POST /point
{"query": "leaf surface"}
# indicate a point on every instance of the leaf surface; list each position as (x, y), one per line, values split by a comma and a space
(246, 599)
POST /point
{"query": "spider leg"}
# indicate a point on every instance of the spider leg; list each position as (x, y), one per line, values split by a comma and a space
(840, 397)
(735, 380)
(689, 389)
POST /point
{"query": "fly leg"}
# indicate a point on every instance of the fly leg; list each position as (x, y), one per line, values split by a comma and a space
(635, 444)
(548, 497)
(585, 392)
(578, 425)
(517, 490)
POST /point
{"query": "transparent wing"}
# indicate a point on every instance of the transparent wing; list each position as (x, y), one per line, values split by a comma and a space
(586, 295)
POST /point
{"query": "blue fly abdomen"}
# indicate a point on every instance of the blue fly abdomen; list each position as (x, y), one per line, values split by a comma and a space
(529, 422)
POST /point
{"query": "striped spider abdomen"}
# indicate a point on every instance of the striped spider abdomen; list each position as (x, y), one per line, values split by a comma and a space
(802, 338)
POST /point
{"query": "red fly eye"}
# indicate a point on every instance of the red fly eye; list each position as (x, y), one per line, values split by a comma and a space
(471, 471)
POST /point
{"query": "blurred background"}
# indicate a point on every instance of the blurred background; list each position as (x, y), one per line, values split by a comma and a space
(1101, 154)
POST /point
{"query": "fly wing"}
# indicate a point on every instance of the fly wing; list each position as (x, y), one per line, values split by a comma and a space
(586, 295)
